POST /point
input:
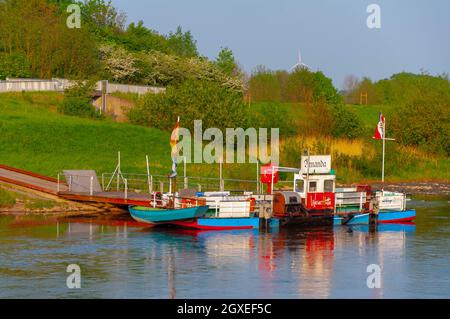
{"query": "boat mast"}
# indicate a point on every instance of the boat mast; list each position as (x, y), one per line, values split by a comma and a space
(384, 150)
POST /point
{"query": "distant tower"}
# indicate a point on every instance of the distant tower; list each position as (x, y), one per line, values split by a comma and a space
(300, 64)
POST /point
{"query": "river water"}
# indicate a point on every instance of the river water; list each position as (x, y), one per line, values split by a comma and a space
(120, 260)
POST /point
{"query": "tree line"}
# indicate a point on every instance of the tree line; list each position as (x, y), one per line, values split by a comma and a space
(36, 42)
(420, 112)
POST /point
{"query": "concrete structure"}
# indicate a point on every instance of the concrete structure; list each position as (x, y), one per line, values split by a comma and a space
(59, 85)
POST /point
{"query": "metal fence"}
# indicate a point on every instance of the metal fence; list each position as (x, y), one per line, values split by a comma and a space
(142, 183)
(162, 183)
(59, 85)
(31, 85)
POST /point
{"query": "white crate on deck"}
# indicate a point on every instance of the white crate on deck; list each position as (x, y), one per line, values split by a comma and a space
(391, 201)
(234, 209)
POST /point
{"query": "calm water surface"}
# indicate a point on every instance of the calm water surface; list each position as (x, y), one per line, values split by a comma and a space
(119, 260)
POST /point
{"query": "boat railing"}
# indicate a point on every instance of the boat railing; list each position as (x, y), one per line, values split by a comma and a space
(221, 206)
(346, 199)
(148, 184)
(162, 183)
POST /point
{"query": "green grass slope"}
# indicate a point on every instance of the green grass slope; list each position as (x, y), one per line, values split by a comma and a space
(33, 136)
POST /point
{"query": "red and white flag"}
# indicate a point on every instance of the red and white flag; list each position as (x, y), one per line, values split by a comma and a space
(379, 132)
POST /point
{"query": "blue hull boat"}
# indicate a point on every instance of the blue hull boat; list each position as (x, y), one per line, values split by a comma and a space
(384, 217)
(387, 217)
(211, 223)
(156, 216)
(359, 219)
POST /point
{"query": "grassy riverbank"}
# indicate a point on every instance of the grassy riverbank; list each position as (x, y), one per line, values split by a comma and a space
(7, 199)
(356, 160)
(36, 138)
(12, 199)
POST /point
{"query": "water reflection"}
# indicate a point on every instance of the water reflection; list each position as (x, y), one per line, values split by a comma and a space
(120, 259)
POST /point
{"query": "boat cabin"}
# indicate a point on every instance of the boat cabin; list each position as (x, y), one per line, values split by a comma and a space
(316, 183)
(316, 190)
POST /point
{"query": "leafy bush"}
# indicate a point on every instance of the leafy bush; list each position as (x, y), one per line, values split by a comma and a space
(77, 101)
(182, 43)
(423, 121)
(119, 64)
(15, 65)
(345, 123)
(193, 100)
(226, 61)
(264, 86)
(272, 115)
(301, 85)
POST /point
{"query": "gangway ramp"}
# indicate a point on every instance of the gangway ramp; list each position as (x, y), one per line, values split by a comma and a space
(84, 187)
(30, 180)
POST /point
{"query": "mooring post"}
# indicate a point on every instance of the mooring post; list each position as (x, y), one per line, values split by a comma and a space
(222, 185)
(57, 187)
(360, 201)
(217, 208)
(126, 188)
(91, 186)
(119, 172)
(148, 175)
(186, 182)
(161, 186)
(70, 183)
(104, 89)
(257, 176)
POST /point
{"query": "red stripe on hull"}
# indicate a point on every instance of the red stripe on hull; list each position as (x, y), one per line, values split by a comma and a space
(396, 221)
(195, 225)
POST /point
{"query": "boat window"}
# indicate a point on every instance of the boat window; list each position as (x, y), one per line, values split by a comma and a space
(313, 186)
(328, 186)
(300, 186)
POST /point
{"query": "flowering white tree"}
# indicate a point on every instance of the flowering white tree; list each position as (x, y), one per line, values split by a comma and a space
(118, 62)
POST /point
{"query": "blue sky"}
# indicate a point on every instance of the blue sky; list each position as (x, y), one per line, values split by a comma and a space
(332, 34)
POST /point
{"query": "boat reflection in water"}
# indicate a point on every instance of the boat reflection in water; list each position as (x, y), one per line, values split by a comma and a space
(306, 257)
(126, 260)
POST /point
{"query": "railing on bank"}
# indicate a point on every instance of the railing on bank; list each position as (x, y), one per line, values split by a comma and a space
(59, 85)
(148, 184)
